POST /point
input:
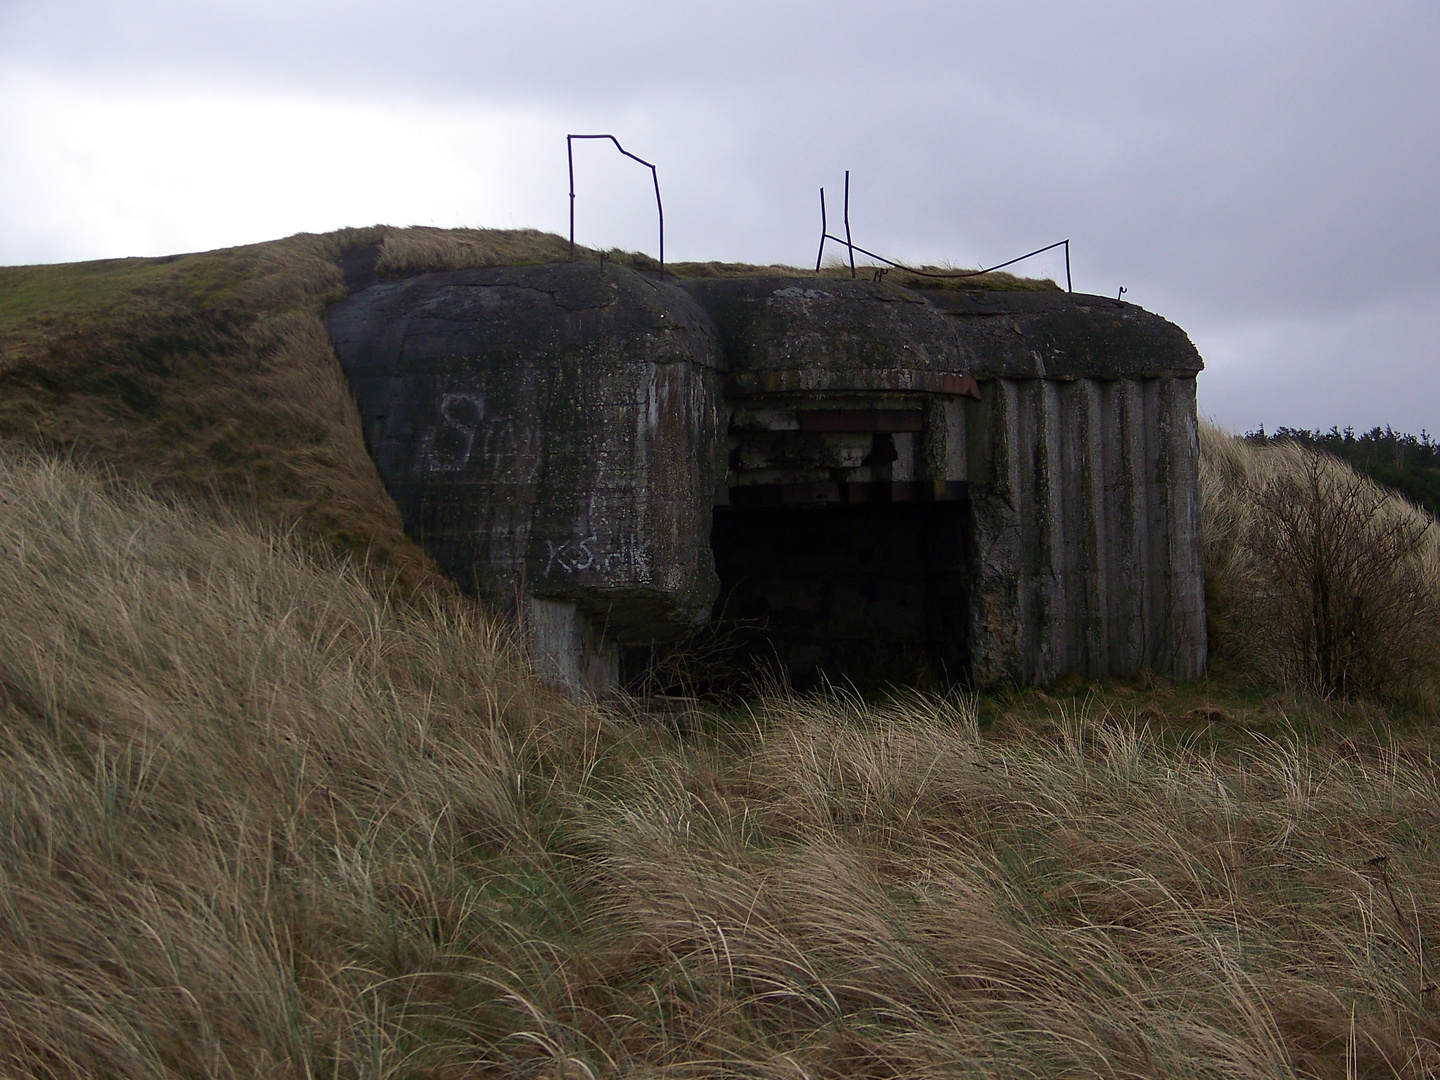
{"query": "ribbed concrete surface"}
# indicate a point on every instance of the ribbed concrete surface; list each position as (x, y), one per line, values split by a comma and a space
(1087, 518)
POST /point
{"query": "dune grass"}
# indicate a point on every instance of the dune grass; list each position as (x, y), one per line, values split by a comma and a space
(226, 772)
(256, 821)
(206, 375)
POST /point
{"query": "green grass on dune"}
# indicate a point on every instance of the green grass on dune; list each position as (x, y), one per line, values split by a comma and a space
(33, 293)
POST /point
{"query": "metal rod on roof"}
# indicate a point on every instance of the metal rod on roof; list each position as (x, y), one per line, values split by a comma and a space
(660, 212)
(823, 230)
(654, 175)
(847, 223)
(1068, 286)
(570, 156)
(950, 274)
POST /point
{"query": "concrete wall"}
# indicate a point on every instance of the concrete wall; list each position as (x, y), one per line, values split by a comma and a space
(1079, 460)
(1085, 499)
(550, 433)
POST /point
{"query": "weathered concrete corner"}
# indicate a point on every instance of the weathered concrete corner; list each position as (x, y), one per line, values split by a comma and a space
(548, 432)
(1057, 335)
(818, 332)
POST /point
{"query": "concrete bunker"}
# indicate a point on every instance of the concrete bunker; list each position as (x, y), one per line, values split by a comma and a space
(994, 487)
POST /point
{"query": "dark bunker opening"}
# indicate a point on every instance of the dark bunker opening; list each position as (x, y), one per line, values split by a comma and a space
(863, 594)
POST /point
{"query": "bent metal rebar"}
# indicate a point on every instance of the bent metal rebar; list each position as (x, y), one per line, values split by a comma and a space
(654, 175)
(853, 247)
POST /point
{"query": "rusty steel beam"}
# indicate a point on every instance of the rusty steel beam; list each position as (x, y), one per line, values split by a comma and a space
(837, 421)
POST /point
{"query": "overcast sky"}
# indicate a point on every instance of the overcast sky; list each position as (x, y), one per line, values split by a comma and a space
(1265, 175)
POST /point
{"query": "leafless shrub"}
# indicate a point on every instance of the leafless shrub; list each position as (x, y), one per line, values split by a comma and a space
(715, 663)
(1352, 608)
(1316, 576)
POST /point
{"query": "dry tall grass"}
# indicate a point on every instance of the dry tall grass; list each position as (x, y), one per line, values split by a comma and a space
(1316, 576)
(208, 375)
(254, 822)
(227, 782)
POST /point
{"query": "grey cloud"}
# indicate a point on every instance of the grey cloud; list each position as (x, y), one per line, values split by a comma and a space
(1244, 165)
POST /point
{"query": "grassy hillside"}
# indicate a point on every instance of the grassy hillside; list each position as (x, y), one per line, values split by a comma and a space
(211, 375)
(260, 817)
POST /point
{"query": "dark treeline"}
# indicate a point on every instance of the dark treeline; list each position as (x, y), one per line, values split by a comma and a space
(1407, 463)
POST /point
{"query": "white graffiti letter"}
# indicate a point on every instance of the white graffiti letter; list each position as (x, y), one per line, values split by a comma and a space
(587, 558)
(555, 554)
(461, 414)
